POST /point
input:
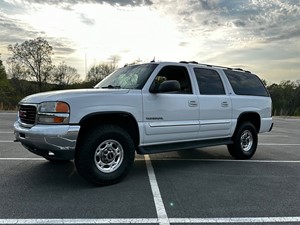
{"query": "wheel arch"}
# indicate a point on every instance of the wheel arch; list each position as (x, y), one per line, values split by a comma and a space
(124, 120)
(252, 117)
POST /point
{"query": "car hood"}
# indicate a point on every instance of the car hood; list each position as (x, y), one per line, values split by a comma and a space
(67, 94)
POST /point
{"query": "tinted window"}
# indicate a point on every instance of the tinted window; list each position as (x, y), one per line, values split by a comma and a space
(246, 83)
(209, 82)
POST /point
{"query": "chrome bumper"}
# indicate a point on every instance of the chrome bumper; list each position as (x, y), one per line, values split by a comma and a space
(50, 141)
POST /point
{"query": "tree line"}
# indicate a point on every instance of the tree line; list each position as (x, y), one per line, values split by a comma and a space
(30, 70)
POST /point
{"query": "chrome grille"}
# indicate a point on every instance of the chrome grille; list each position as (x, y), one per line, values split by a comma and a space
(27, 113)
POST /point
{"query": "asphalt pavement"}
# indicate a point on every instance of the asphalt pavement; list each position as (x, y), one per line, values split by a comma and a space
(197, 186)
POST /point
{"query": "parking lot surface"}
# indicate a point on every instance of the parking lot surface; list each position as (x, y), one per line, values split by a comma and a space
(197, 186)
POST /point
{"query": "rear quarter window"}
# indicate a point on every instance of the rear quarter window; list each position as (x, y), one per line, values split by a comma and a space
(246, 83)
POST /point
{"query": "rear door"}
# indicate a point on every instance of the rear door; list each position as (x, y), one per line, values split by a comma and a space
(215, 104)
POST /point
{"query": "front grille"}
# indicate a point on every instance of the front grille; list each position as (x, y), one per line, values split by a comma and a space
(27, 113)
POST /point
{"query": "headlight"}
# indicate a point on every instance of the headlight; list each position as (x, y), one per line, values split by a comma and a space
(53, 113)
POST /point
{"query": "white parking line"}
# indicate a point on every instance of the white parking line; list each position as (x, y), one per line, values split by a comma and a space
(229, 160)
(8, 113)
(3, 141)
(281, 144)
(22, 159)
(177, 159)
(79, 221)
(159, 205)
(235, 220)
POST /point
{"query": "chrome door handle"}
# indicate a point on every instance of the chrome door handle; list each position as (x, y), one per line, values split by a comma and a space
(224, 104)
(193, 103)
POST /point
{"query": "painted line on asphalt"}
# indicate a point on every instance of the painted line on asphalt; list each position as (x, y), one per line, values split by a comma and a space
(278, 144)
(229, 160)
(159, 205)
(3, 141)
(79, 221)
(8, 113)
(22, 159)
(176, 159)
(235, 220)
(273, 135)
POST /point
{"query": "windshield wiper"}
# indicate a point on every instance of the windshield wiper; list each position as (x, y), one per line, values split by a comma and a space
(112, 87)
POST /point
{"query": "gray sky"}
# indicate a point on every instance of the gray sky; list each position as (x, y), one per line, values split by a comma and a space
(260, 36)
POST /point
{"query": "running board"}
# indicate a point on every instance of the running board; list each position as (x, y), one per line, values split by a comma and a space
(150, 149)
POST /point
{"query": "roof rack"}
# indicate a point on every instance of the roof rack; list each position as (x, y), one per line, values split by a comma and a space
(187, 62)
(208, 65)
(246, 71)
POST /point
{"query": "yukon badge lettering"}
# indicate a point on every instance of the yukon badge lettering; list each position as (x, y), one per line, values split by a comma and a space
(154, 118)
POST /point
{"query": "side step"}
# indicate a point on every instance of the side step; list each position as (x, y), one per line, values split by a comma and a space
(151, 149)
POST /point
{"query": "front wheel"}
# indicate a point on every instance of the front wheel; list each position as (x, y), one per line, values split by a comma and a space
(244, 142)
(105, 155)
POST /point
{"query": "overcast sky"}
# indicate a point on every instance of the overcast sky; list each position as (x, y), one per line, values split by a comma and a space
(260, 36)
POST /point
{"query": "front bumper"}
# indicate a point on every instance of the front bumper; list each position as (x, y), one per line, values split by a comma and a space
(49, 141)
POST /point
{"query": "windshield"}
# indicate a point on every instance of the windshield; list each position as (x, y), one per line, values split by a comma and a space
(129, 77)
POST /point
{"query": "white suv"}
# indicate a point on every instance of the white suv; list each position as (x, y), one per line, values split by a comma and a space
(146, 108)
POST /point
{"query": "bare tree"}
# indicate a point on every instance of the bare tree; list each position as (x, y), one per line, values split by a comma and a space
(16, 70)
(100, 71)
(65, 75)
(35, 55)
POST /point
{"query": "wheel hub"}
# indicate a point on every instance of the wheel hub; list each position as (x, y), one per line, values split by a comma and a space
(246, 140)
(108, 156)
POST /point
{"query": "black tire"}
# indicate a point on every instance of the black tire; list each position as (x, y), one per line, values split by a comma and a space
(244, 142)
(104, 155)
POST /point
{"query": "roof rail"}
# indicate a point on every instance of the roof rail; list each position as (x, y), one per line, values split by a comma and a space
(187, 62)
(208, 65)
(223, 67)
(246, 71)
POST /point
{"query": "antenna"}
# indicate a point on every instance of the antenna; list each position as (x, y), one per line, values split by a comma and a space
(153, 60)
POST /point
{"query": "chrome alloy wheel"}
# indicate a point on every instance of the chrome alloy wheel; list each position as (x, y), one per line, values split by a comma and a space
(246, 140)
(109, 156)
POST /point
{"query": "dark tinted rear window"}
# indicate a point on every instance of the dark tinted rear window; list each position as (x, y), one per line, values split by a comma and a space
(209, 82)
(246, 83)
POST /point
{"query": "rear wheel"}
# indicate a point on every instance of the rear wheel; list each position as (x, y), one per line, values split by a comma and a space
(105, 155)
(244, 142)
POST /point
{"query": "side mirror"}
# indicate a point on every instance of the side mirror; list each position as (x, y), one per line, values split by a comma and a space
(169, 86)
(165, 87)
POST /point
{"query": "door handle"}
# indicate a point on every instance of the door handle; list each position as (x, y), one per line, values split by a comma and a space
(224, 104)
(193, 103)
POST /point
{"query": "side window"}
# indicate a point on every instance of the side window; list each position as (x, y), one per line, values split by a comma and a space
(246, 83)
(178, 73)
(209, 82)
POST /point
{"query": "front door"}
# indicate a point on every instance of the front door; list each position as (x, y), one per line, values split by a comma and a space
(171, 117)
